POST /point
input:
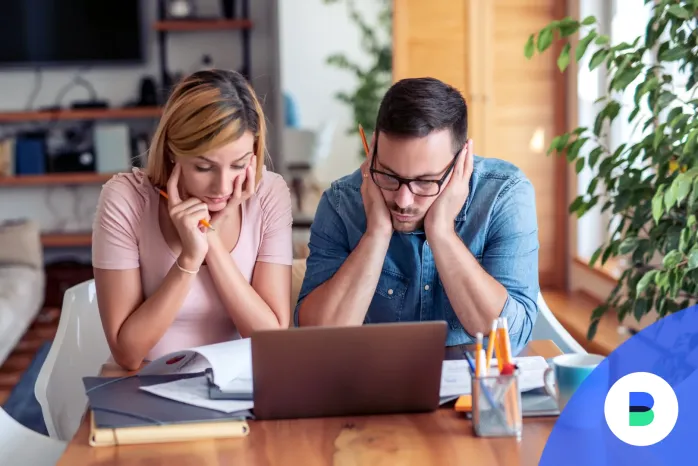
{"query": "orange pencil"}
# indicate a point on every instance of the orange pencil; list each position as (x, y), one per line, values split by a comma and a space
(203, 221)
(363, 139)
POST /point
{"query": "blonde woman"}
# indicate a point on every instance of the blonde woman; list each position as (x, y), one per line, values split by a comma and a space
(164, 280)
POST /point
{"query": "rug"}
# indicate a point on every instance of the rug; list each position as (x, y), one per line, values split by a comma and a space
(22, 404)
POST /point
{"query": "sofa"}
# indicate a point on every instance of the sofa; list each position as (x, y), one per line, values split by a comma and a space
(22, 281)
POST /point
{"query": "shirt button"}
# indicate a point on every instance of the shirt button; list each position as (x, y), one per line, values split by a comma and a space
(390, 291)
(426, 287)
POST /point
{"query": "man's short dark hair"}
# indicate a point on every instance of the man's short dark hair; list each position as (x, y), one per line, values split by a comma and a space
(415, 107)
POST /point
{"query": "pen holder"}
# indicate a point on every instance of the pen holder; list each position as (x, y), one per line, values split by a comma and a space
(496, 408)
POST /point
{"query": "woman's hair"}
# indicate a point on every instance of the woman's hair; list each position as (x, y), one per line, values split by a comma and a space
(205, 111)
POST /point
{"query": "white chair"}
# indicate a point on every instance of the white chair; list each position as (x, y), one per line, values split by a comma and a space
(79, 349)
(20, 445)
(547, 327)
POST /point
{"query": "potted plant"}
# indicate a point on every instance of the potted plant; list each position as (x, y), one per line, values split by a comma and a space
(650, 185)
(373, 80)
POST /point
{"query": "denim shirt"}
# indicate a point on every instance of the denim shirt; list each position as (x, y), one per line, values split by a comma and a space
(497, 224)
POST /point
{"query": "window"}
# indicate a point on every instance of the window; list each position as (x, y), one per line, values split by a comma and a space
(623, 21)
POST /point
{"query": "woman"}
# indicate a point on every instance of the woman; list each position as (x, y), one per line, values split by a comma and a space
(164, 280)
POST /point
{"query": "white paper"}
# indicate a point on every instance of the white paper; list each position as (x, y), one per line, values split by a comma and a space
(455, 375)
(194, 391)
(228, 360)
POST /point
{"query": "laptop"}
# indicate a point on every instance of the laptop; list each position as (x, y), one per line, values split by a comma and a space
(346, 371)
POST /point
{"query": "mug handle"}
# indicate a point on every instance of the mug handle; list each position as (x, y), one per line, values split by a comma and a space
(548, 383)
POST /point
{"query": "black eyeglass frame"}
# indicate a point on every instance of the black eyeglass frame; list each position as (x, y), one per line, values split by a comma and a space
(407, 181)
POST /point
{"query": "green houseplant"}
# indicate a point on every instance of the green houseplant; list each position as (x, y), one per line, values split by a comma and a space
(374, 79)
(650, 185)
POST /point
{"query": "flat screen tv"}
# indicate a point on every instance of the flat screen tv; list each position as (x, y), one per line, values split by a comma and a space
(42, 33)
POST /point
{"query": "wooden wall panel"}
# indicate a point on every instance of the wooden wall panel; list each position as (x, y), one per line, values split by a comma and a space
(516, 106)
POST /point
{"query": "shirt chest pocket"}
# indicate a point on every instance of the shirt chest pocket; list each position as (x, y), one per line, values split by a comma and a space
(389, 298)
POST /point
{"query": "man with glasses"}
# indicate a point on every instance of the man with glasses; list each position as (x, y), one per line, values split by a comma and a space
(425, 230)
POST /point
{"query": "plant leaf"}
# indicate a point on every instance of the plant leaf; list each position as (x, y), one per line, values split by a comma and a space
(545, 39)
(589, 20)
(530, 47)
(598, 58)
(693, 259)
(645, 281)
(672, 259)
(583, 45)
(628, 245)
(563, 59)
(658, 205)
(679, 12)
(580, 165)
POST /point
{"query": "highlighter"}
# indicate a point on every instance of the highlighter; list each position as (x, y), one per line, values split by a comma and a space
(503, 344)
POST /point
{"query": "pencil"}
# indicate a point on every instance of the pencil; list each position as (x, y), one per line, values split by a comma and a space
(363, 139)
(203, 221)
(490, 345)
(479, 369)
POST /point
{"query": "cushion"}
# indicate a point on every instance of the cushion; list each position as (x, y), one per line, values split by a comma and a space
(20, 244)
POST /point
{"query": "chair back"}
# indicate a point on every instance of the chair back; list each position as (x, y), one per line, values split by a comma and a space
(547, 327)
(79, 349)
(20, 445)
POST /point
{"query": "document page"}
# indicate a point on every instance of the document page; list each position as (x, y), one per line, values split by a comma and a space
(455, 375)
(194, 391)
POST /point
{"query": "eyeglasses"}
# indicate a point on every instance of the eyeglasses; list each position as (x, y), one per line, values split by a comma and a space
(418, 187)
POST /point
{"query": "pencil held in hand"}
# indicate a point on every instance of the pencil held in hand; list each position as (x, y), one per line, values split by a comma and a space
(363, 139)
(203, 221)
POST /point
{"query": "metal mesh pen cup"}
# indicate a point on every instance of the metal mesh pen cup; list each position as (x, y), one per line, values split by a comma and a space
(496, 408)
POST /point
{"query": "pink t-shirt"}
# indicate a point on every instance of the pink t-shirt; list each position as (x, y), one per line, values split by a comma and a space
(127, 235)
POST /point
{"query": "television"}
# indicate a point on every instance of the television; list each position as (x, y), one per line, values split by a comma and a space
(50, 33)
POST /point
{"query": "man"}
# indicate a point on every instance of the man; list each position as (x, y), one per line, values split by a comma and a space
(425, 230)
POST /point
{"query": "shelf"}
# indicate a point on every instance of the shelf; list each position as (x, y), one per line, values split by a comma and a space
(55, 179)
(81, 114)
(202, 24)
(65, 240)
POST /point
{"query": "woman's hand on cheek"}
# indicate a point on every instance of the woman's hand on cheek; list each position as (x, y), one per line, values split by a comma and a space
(243, 189)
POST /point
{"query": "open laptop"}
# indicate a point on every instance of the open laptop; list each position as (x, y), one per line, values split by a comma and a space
(344, 371)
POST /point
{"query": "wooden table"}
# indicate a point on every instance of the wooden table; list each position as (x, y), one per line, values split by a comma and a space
(443, 437)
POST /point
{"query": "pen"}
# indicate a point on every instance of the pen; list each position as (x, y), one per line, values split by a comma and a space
(203, 221)
(363, 139)
(478, 348)
(494, 405)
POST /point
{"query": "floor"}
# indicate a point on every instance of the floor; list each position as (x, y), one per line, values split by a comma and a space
(43, 329)
(572, 310)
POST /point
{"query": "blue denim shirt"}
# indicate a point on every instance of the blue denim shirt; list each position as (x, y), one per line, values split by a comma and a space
(497, 223)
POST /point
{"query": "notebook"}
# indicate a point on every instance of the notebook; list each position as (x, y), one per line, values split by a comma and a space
(534, 403)
(122, 413)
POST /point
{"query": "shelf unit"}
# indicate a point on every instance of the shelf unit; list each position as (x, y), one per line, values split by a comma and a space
(66, 240)
(163, 26)
(202, 25)
(81, 114)
(55, 179)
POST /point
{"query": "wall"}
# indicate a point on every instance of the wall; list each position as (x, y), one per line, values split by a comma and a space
(57, 207)
(309, 34)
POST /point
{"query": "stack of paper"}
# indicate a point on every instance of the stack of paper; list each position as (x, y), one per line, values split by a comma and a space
(455, 376)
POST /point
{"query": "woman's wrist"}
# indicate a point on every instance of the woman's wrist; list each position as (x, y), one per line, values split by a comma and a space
(187, 263)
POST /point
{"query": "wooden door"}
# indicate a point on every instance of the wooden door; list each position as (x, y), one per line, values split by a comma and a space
(516, 106)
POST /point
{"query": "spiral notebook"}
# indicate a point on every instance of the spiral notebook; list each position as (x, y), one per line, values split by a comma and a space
(122, 414)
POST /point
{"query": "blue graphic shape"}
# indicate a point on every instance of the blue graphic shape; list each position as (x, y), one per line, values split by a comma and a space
(641, 400)
(667, 348)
